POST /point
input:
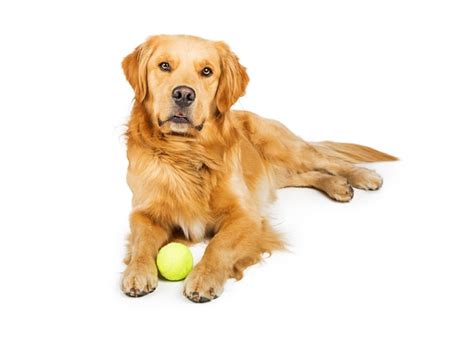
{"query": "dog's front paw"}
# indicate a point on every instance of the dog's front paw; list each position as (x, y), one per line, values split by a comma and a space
(139, 279)
(365, 179)
(203, 285)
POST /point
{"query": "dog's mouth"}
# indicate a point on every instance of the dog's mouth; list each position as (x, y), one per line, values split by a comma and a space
(182, 121)
(179, 119)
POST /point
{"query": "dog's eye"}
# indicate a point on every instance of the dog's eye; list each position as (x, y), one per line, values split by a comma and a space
(165, 66)
(206, 71)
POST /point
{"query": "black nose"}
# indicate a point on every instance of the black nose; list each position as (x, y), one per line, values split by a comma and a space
(183, 96)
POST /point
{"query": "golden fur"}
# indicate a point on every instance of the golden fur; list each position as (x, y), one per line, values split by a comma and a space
(214, 176)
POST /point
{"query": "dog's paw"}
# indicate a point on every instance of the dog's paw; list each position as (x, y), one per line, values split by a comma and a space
(365, 179)
(139, 279)
(339, 189)
(202, 286)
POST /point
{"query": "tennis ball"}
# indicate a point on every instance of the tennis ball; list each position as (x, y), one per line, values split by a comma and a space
(174, 261)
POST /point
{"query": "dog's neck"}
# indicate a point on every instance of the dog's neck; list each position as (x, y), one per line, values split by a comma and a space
(206, 148)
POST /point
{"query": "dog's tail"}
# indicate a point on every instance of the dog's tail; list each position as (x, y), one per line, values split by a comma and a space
(352, 153)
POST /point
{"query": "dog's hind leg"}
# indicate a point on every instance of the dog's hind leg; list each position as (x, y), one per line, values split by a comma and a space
(290, 155)
(336, 187)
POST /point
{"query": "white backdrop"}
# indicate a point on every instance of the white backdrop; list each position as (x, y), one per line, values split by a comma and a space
(395, 75)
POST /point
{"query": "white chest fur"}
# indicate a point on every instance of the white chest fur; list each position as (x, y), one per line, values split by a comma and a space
(194, 231)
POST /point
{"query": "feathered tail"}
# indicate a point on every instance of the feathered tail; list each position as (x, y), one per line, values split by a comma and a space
(352, 153)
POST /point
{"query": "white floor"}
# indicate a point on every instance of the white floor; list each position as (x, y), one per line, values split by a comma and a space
(392, 263)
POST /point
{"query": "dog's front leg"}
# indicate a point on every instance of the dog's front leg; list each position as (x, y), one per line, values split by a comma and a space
(235, 246)
(146, 238)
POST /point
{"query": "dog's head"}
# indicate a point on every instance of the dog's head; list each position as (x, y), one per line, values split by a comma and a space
(184, 81)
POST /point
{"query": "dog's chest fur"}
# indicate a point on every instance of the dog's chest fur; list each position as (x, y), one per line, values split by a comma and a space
(175, 190)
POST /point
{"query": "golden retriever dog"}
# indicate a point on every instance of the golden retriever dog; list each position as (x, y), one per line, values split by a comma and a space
(198, 169)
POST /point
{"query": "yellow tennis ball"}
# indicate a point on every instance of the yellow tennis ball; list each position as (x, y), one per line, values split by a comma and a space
(174, 261)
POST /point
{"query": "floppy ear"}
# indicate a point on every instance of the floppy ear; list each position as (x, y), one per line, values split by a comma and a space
(135, 69)
(233, 79)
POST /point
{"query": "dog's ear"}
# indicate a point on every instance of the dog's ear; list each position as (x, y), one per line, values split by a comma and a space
(135, 68)
(233, 79)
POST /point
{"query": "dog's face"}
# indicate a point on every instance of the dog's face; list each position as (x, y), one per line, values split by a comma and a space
(184, 81)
